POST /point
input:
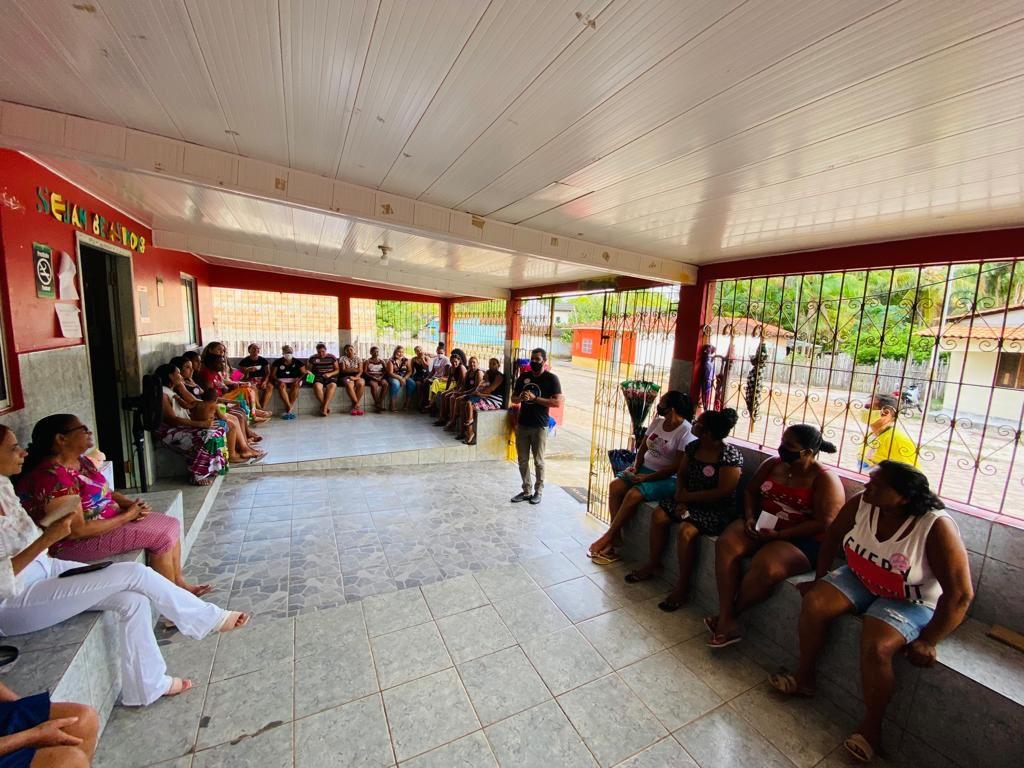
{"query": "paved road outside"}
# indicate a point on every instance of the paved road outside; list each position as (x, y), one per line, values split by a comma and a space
(568, 458)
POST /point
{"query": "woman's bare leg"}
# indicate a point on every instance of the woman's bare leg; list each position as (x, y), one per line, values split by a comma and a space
(821, 606)
(686, 549)
(88, 725)
(879, 643)
(730, 549)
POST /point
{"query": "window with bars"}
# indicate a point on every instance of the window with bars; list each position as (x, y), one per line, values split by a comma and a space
(947, 341)
(271, 319)
(478, 328)
(190, 309)
(387, 324)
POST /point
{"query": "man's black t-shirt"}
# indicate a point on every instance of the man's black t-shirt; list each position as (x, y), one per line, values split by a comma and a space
(286, 370)
(532, 414)
(260, 363)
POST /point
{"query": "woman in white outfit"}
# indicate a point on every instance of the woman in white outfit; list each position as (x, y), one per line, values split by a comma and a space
(33, 598)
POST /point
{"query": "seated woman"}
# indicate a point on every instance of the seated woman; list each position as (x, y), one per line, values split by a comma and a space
(286, 375)
(453, 386)
(801, 498)
(38, 733)
(653, 474)
(111, 523)
(437, 378)
(239, 438)
(352, 378)
(325, 369)
(374, 370)
(399, 373)
(199, 431)
(704, 501)
(473, 378)
(256, 371)
(215, 378)
(906, 573)
(33, 597)
(420, 371)
(486, 397)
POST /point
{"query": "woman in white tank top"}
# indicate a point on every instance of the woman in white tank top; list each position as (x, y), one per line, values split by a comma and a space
(906, 573)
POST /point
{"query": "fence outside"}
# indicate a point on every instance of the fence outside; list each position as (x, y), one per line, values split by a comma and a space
(818, 347)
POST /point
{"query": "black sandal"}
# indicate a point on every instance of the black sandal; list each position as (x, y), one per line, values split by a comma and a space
(635, 577)
(670, 606)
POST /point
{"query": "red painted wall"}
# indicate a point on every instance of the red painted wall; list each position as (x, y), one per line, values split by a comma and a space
(627, 352)
(32, 321)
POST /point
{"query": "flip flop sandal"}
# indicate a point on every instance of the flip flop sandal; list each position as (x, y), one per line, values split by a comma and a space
(635, 577)
(786, 683)
(669, 606)
(859, 748)
(202, 589)
(711, 623)
(181, 683)
(723, 641)
(605, 558)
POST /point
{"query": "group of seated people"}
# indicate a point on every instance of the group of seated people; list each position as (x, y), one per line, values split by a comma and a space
(59, 520)
(906, 570)
(454, 387)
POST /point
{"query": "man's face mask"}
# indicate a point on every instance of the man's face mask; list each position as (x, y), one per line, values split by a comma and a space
(536, 366)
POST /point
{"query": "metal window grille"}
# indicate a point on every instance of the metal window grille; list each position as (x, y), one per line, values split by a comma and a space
(478, 328)
(388, 324)
(271, 319)
(945, 340)
(637, 339)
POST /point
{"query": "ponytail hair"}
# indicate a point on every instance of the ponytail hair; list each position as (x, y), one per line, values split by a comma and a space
(680, 403)
(810, 438)
(43, 434)
(912, 484)
(720, 423)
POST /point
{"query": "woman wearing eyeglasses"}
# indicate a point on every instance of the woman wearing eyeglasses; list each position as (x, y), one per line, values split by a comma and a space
(111, 522)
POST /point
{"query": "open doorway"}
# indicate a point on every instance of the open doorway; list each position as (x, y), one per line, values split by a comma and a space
(109, 319)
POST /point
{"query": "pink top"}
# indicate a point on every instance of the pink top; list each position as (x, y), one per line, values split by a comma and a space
(50, 480)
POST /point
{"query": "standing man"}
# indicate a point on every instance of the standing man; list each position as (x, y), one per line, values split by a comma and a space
(885, 439)
(535, 392)
(257, 373)
(324, 367)
(286, 377)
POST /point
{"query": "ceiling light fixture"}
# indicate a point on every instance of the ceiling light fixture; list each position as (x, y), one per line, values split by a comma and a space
(384, 258)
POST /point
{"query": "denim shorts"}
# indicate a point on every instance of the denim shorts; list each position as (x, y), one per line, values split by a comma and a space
(905, 617)
(659, 490)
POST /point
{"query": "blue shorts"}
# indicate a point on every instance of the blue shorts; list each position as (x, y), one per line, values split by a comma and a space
(21, 715)
(905, 617)
(658, 490)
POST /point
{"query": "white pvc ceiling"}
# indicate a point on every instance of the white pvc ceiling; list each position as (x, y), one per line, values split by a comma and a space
(695, 131)
(314, 241)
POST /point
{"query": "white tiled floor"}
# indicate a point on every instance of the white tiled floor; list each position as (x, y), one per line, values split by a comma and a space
(339, 435)
(513, 650)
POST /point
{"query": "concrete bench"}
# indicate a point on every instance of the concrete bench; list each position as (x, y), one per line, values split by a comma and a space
(79, 659)
(973, 669)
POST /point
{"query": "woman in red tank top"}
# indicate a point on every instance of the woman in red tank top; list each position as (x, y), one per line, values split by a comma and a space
(801, 498)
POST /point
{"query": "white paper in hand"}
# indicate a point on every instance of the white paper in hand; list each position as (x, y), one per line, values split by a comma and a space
(59, 508)
(766, 521)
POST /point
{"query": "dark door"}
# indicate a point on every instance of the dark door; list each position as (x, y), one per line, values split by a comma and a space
(104, 334)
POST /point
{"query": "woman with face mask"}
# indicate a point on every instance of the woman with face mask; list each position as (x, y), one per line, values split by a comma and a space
(788, 504)
(653, 474)
(399, 373)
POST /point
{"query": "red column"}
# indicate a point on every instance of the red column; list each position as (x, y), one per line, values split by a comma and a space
(690, 322)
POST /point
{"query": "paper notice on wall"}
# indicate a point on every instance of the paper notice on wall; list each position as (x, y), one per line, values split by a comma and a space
(68, 289)
(70, 324)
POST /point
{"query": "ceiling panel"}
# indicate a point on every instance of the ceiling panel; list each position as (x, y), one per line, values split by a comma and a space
(513, 44)
(687, 129)
(159, 38)
(413, 47)
(627, 39)
(735, 166)
(310, 239)
(704, 68)
(241, 44)
(324, 46)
